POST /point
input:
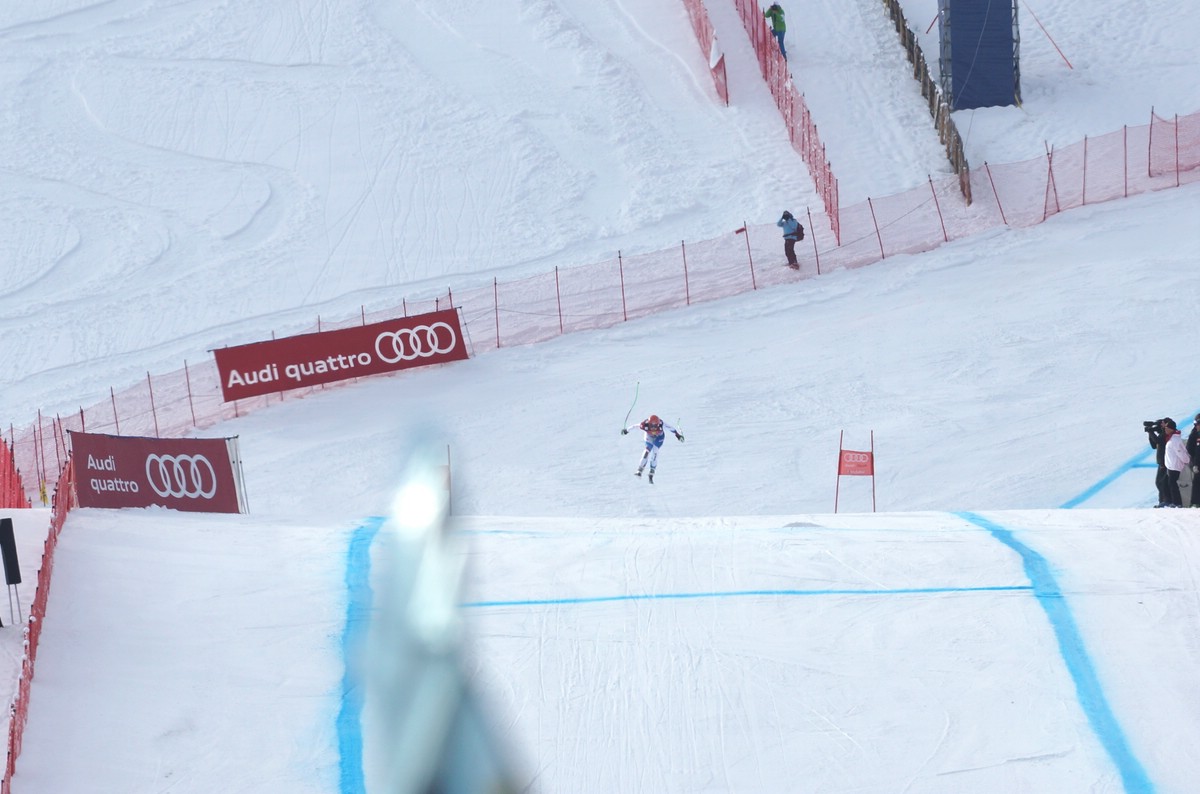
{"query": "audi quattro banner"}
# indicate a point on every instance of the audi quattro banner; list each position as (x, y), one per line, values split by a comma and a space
(312, 359)
(192, 474)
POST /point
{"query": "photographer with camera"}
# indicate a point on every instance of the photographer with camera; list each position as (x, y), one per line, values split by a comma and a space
(1172, 458)
(1154, 430)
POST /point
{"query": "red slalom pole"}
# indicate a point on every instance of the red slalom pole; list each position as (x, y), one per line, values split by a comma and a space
(1043, 27)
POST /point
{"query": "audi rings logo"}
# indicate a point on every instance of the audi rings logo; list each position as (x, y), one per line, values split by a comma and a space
(421, 341)
(856, 457)
(181, 476)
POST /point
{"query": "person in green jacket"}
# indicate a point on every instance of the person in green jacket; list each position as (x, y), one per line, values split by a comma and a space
(778, 26)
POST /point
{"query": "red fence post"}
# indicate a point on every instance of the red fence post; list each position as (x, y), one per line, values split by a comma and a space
(56, 429)
(878, 236)
(1176, 150)
(1125, 156)
(496, 307)
(838, 486)
(39, 457)
(746, 231)
(187, 377)
(813, 236)
(945, 237)
(1150, 145)
(1084, 170)
(1051, 187)
(116, 419)
(621, 271)
(267, 397)
(558, 296)
(872, 471)
(687, 292)
(153, 410)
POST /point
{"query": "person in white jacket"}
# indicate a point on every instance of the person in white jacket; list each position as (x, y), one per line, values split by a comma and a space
(1176, 460)
(655, 430)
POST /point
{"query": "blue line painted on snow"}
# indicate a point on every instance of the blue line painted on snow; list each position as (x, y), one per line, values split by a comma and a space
(557, 534)
(740, 594)
(1079, 665)
(358, 618)
(1133, 463)
(1136, 462)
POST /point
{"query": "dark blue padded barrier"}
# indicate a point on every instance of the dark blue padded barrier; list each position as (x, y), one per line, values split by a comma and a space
(980, 46)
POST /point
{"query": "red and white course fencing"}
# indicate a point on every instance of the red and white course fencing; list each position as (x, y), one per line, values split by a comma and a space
(1164, 153)
(19, 710)
(802, 130)
(707, 37)
(12, 489)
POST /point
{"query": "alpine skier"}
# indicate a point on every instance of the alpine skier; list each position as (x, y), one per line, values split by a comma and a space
(656, 431)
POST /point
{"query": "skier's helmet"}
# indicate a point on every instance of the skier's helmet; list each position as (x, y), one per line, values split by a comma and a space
(654, 423)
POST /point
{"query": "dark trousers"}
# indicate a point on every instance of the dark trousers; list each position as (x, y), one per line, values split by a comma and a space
(1162, 482)
(1173, 495)
(789, 250)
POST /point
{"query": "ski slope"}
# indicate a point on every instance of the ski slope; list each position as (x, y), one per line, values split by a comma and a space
(886, 652)
(183, 175)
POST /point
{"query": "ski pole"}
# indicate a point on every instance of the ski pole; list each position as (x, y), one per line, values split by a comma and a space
(636, 386)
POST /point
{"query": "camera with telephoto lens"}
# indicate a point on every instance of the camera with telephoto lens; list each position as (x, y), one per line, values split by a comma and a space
(1148, 426)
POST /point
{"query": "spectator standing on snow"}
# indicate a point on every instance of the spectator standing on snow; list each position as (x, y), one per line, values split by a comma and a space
(1176, 460)
(656, 431)
(1193, 450)
(1158, 442)
(778, 25)
(793, 233)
